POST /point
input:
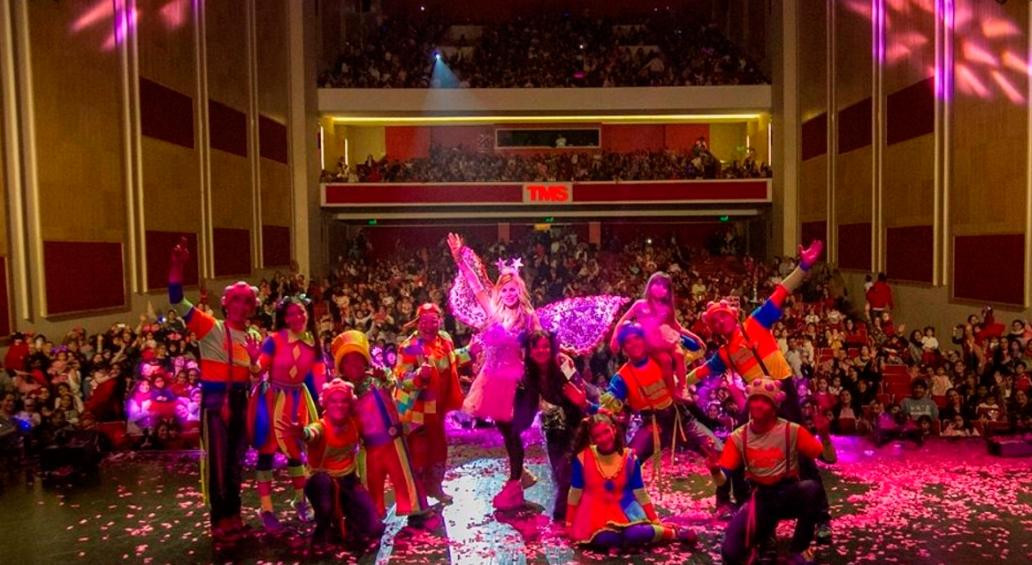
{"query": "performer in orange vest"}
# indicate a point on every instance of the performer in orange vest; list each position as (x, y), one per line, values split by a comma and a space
(343, 508)
(428, 388)
(769, 449)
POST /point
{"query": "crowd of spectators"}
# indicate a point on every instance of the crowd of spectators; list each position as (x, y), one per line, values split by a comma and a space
(542, 51)
(458, 164)
(865, 373)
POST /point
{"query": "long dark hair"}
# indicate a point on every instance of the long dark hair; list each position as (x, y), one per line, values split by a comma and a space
(552, 380)
(582, 439)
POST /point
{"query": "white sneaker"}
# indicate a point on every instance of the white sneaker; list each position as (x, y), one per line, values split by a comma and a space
(510, 497)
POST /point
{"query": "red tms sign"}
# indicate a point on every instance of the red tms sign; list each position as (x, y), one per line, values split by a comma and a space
(548, 193)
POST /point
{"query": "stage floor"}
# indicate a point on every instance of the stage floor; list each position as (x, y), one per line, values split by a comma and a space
(943, 503)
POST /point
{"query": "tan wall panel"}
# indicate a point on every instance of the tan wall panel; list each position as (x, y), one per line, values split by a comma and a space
(171, 186)
(166, 44)
(725, 139)
(271, 28)
(3, 185)
(365, 141)
(171, 173)
(852, 55)
(78, 124)
(853, 186)
(276, 200)
(231, 199)
(909, 45)
(813, 189)
(813, 64)
(908, 176)
(227, 52)
(989, 136)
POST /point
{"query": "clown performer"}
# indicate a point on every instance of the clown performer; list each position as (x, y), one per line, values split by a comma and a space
(769, 449)
(749, 347)
(292, 359)
(608, 507)
(639, 385)
(750, 350)
(656, 312)
(496, 392)
(428, 388)
(380, 430)
(344, 511)
(225, 380)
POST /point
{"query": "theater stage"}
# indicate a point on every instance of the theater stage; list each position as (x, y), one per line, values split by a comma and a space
(943, 503)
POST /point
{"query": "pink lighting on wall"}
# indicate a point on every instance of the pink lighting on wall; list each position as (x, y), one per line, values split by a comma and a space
(175, 13)
(969, 83)
(1009, 90)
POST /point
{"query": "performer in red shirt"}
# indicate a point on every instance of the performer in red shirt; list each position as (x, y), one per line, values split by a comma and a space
(769, 448)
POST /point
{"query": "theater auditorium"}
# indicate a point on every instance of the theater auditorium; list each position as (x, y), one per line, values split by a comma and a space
(516, 282)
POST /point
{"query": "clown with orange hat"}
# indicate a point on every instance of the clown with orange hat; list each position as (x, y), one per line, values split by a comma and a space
(428, 388)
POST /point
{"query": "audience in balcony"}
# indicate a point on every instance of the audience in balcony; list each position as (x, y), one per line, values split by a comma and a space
(543, 51)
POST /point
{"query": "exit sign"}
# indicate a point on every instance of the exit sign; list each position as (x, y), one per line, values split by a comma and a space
(548, 193)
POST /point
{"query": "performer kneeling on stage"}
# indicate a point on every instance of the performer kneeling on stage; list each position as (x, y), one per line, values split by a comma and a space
(608, 507)
(750, 350)
(344, 511)
(380, 430)
(768, 448)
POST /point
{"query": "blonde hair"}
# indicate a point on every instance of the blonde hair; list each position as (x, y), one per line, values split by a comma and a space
(522, 317)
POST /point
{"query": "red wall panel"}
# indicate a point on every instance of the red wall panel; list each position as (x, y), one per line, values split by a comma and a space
(669, 191)
(159, 246)
(854, 246)
(989, 268)
(423, 194)
(681, 137)
(5, 302)
(272, 139)
(630, 138)
(275, 246)
(227, 128)
(83, 275)
(910, 253)
(166, 114)
(814, 230)
(232, 251)
(854, 127)
(910, 112)
(815, 137)
(407, 142)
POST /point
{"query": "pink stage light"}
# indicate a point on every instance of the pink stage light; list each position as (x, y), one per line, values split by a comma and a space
(102, 10)
(125, 23)
(969, 83)
(174, 14)
(859, 7)
(1016, 63)
(896, 52)
(977, 54)
(1008, 89)
(999, 27)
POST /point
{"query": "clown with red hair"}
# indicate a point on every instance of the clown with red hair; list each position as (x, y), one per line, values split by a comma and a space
(225, 381)
(428, 388)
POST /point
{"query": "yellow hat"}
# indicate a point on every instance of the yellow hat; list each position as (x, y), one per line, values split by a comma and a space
(352, 341)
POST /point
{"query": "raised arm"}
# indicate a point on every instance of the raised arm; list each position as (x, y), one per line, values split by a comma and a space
(180, 255)
(455, 245)
(629, 315)
(807, 258)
